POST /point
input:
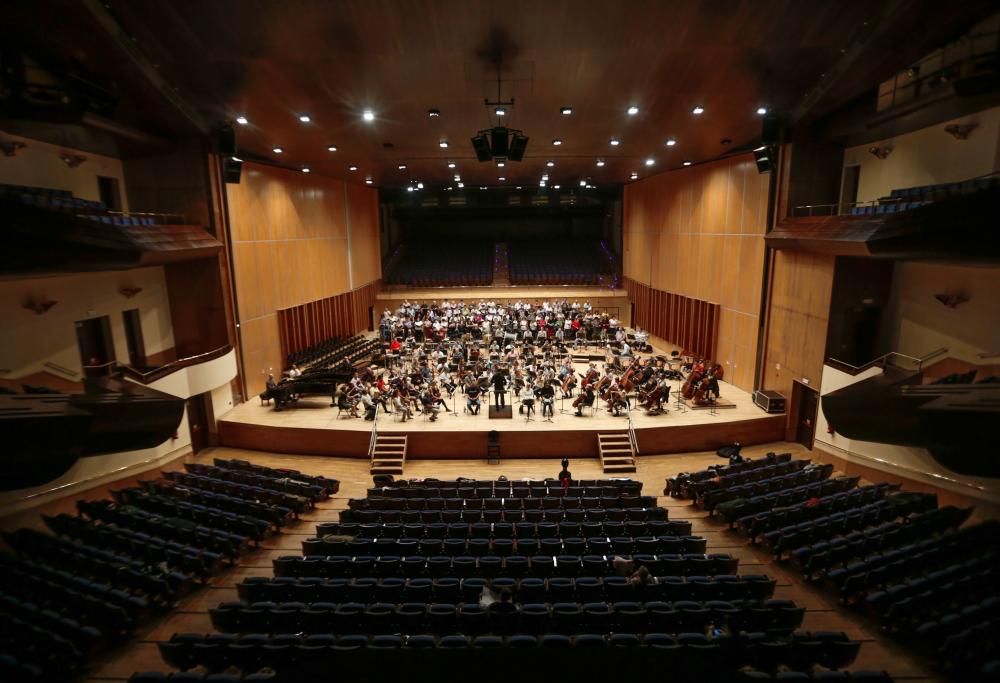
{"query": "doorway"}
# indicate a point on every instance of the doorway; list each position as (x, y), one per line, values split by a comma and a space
(97, 347)
(199, 414)
(133, 338)
(109, 192)
(371, 318)
(849, 188)
(801, 425)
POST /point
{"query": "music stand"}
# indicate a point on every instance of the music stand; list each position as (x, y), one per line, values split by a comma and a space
(681, 408)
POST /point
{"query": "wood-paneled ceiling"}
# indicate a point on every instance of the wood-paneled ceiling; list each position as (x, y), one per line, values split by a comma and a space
(273, 61)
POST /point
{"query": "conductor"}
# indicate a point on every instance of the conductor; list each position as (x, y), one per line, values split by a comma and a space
(499, 388)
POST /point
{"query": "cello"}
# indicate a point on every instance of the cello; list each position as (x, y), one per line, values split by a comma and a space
(690, 385)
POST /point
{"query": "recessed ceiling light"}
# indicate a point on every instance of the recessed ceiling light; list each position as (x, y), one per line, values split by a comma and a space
(368, 181)
(615, 142)
(541, 183)
(482, 187)
(633, 110)
(305, 169)
(277, 150)
(565, 111)
(352, 168)
(305, 118)
(401, 167)
(443, 144)
(600, 162)
(368, 115)
(545, 177)
(451, 164)
(518, 187)
(761, 111)
(420, 186)
(685, 163)
(650, 161)
(237, 159)
(557, 142)
(550, 164)
(583, 183)
(501, 164)
(500, 111)
(698, 110)
(331, 148)
(457, 177)
(409, 188)
(634, 176)
(671, 142)
(502, 179)
(434, 112)
(461, 185)
(242, 120)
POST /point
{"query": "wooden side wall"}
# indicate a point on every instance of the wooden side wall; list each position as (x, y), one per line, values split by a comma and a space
(297, 239)
(699, 233)
(336, 316)
(689, 323)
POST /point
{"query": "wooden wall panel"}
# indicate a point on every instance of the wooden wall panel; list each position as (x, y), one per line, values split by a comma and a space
(290, 249)
(705, 225)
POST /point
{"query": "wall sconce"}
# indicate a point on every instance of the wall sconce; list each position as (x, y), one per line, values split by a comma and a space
(38, 305)
(11, 147)
(952, 299)
(72, 160)
(960, 131)
(880, 152)
(129, 292)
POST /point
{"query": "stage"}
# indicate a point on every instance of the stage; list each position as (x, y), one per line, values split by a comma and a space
(315, 428)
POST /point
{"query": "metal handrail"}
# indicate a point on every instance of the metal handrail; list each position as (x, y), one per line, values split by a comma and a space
(60, 369)
(881, 359)
(631, 428)
(168, 368)
(374, 436)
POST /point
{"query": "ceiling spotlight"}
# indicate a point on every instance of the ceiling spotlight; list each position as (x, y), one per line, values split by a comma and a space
(550, 163)
(331, 148)
(368, 115)
(457, 177)
(556, 187)
(500, 164)
(242, 120)
(545, 177)
(368, 180)
(502, 179)
(237, 159)
(650, 161)
(600, 162)
(401, 167)
(461, 185)
(541, 183)
(482, 187)
(671, 142)
(420, 186)
(305, 118)
(352, 168)
(583, 183)
(633, 110)
(451, 164)
(615, 142)
(557, 142)
(434, 112)
(634, 176)
(409, 188)
(305, 169)
(698, 110)
(565, 111)
(761, 111)
(443, 144)
(500, 111)
(685, 163)
(277, 150)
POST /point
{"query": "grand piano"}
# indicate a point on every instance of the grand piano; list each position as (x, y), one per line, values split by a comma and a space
(319, 382)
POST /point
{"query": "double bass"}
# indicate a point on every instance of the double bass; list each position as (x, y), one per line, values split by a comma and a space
(690, 385)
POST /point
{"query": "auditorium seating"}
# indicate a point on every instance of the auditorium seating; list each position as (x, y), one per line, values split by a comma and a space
(279, 475)
(563, 262)
(688, 484)
(908, 198)
(334, 352)
(63, 202)
(452, 264)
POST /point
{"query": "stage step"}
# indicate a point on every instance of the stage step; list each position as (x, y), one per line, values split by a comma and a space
(617, 454)
(388, 454)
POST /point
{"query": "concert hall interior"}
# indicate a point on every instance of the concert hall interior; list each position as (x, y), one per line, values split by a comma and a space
(384, 338)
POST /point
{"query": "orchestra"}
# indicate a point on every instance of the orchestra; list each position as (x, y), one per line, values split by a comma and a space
(475, 350)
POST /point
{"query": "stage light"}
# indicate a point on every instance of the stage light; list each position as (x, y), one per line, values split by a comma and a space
(502, 179)
(761, 111)
(331, 148)
(305, 169)
(634, 176)
(401, 167)
(433, 112)
(451, 164)
(698, 110)
(556, 187)
(305, 118)
(237, 159)
(685, 163)
(409, 188)
(671, 142)
(633, 110)
(500, 164)
(600, 162)
(368, 115)
(352, 168)
(368, 181)
(457, 178)
(566, 111)
(650, 161)
(500, 111)
(557, 142)
(420, 186)
(277, 150)
(583, 183)
(242, 120)
(615, 142)
(443, 144)
(461, 185)
(550, 164)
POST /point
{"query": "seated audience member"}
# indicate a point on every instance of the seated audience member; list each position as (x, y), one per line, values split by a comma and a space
(565, 477)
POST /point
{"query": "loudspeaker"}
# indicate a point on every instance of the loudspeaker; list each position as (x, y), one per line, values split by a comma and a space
(231, 170)
(499, 137)
(482, 147)
(225, 141)
(762, 155)
(518, 145)
(770, 130)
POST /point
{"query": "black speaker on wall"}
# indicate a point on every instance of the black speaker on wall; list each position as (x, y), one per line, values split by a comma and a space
(481, 145)
(499, 139)
(225, 141)
(763, 156)
(518, 145)
(232, 168)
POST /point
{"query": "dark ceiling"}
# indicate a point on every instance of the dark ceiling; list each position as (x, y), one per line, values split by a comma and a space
(273, 61)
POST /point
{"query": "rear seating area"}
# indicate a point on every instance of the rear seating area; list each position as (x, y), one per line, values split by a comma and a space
(63, 202)
(461, 263)
(565, 262)
(908, 198)
(417, 568)
(96, 578)
(334, 352)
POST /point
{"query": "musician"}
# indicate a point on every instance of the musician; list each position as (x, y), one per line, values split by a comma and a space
(499, 382)
(271, 385)
(294, 371)
(430, 407)
(472, 398)
(343, 401)
(402, 407)
(547, 395)
(369, 405)
(626, 349)
(586, 398)
(528, 400)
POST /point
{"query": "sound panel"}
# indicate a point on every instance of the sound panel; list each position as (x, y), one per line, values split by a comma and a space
(518, 145)
(231, 170)
(499, 138)
(482, 147)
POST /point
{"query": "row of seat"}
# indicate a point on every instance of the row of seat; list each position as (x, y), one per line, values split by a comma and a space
(505, 489)
(733, 510)
(760, 522)
(532, 515)
(467, 498)
(329, 485)
(284, 484)
(165, 493)
(267, 496)
(554, 589)
(811, 474)
(564, 529)
(682, 484)
(699, 489)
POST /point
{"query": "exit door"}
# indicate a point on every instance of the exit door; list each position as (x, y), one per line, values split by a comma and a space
(97, 348)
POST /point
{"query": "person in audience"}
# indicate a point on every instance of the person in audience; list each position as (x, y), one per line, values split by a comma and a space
(622, 566)
(565, 476)
(641, 577)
